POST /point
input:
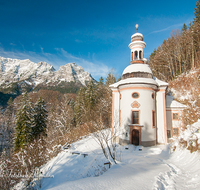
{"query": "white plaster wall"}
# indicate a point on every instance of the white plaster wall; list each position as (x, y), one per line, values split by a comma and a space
(136, 49)
(169, 119)
(174, 123)
(177, 123)
(160, 117)
(147, 105)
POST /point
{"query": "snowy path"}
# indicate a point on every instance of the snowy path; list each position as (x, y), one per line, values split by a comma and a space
(152, 168)
(168, 179)
(184, 172)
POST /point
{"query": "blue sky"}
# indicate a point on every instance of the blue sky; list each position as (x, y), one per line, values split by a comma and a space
(93, 34)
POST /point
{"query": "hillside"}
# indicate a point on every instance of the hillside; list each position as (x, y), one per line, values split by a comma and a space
(186, 89)
(152, 168)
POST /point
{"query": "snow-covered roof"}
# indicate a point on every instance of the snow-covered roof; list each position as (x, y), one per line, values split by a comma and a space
(136, 34)
(135, 80)
(138, 67)
(138, 80)
(171, 103)
(160, 82)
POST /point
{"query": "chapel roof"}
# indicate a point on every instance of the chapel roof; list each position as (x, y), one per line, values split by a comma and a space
(135, 80)
(138, 72)
(171, 103)
(137, 68)
(137, 34)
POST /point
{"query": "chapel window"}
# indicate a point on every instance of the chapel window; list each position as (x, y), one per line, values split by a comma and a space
(175, 116)
(135, 117)
(175, 131)
(136, 55)
(168, 134)
(140, 54)
(135, 95)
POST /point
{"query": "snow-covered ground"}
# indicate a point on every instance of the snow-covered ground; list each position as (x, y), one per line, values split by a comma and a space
(149, 168)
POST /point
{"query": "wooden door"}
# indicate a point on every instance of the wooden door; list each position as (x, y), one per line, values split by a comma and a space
(135, 137)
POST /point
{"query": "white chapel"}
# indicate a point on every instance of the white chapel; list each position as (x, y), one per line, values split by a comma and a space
(142, 113)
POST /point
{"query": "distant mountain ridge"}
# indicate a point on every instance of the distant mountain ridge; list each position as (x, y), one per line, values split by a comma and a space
(16, 73)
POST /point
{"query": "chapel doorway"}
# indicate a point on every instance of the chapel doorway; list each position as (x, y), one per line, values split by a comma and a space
(135, 137)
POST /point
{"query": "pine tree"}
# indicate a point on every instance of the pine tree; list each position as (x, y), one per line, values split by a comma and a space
(197, 11)
(79, 106)
(94, 101)
(184, 27)
(39, 119)
(23, 133)
(110, 79)
(90, 95)
(101, 81)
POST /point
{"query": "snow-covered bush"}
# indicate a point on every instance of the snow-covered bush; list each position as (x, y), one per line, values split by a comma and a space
(189, 138)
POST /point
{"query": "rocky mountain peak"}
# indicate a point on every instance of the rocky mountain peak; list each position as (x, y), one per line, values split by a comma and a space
(42, 73)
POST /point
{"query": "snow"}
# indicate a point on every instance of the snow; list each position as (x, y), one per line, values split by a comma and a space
(182, 95)
(135, 80)
(137, 34)
(184, 171)
(192, 132)
(14, 70)
(160, 82)
(137, 68)
(171, 103)
(152, 168)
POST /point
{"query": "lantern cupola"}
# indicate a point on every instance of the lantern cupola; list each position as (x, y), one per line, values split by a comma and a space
(137, 46)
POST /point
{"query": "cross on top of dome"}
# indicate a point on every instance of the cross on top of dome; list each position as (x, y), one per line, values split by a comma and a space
(136, 26)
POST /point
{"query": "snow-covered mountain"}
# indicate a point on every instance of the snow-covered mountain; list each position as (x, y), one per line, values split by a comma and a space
(33, 74)
(71, 72)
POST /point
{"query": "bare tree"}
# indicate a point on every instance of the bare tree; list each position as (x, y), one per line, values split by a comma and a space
(106, 139)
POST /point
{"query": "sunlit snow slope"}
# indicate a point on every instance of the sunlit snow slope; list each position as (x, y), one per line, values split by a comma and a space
(152, 168)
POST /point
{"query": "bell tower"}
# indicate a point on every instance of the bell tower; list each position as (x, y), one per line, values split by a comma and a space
(137, 46)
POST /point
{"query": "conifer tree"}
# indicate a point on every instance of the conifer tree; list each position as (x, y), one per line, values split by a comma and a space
(79, 106)
(101, 81)
(197, 11)
(39, 119)
(110, 79)
(23, 133)
(184, 27)
(90, 95)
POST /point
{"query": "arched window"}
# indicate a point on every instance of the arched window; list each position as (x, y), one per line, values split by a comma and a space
(140, 55)
(136, 55)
